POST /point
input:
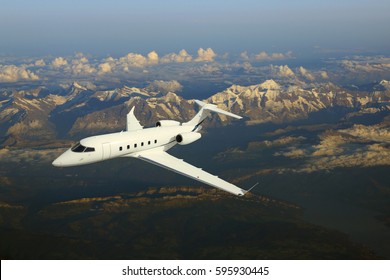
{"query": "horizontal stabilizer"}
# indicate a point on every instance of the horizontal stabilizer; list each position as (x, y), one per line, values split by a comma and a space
(204, 112)
(214, 108)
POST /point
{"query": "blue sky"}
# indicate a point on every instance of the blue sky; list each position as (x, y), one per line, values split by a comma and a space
(103, 27)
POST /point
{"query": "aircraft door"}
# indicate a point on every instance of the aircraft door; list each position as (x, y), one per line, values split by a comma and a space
(106, 151)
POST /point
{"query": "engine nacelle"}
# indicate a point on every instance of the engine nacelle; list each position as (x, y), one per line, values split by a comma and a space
(187, 138)
(167, 123)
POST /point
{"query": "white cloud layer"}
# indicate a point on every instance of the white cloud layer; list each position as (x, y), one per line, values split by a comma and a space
(104, 68)
(367, 64)
(13, 73)
(134, 60)
(80, 66)
(40, 63)
(282, 71)
(155, 66)
(205, 55)
(182, 56)
(264, 56)
(153, 58)
(58, 62)
(306, 73)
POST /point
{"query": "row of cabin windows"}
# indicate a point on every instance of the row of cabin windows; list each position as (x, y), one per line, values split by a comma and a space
(135, 145)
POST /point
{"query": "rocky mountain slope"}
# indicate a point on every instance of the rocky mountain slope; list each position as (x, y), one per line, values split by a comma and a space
(272, 102)
(39, 114)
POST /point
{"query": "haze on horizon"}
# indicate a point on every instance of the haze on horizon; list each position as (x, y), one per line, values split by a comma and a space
(101, 27)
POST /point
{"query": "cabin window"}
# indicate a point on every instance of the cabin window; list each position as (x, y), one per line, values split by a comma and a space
(128, 147)
(142, 143)
(120, 148)
(135, 145)
(148, 142)
(155, 141)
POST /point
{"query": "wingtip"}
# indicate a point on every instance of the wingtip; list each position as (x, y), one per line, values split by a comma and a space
(251, 188)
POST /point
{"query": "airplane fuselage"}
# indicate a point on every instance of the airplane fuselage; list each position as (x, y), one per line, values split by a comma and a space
(121, 144)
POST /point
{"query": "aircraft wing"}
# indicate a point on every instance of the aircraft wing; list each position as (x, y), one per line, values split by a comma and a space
(165, 160)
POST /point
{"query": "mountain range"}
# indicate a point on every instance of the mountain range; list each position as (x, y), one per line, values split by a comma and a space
(44, 114)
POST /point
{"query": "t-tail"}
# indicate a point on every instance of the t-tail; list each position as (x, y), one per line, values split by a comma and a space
(204, 112)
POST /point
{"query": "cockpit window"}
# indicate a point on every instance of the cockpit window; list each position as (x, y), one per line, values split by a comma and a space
(78, 148)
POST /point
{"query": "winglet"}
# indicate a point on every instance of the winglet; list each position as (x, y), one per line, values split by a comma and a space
(245, 192)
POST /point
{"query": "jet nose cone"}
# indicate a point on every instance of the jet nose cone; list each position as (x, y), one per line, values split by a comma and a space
(57, 163)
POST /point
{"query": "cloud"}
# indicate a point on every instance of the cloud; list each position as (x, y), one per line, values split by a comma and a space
(40, 63)
(164, 86)
(152, 58)
(77, 65)
(125, 63)
(13, 73)
(59, 62)
(367, 64)
(80, 66)
(108, 65)
(264, 56)
(104, 68)
(133, 60)
(324, 75)
(312, 75)
(206, 69)
(282, 71)
(244, 55)
(306, 73)
(182, 56)
(276, 56)
(207, 55)
(247, 66)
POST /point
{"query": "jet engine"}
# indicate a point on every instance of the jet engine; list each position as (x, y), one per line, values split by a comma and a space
(187, 138)
(167, 123)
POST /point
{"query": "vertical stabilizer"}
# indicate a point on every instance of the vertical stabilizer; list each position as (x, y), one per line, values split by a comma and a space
(132, 123)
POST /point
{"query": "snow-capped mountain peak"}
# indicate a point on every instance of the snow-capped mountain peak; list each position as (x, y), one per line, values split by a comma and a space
(385, 84)
(270, 84)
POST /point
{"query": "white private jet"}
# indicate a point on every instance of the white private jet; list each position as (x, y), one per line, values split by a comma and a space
(150, 145)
